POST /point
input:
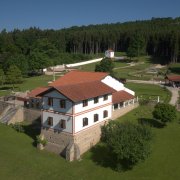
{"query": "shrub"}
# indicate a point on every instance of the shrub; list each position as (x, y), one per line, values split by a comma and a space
(129, 142)
(164, 112)
(18, 127)
(41, 140)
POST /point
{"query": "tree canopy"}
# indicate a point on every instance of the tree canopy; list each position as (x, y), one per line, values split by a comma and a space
(156, 37)
(164, 112)
(105, 65)
(129, 142)
(13, 75)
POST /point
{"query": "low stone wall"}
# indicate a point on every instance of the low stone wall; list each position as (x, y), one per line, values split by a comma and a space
(17, 117)
(120, 112)
(31, 115)
(3, 106)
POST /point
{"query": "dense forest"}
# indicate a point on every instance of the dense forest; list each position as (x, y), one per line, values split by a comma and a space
(33, 48)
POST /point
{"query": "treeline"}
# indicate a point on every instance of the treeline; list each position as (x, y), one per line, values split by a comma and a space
(34, 48)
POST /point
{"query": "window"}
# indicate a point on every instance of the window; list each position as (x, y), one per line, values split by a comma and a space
(85, 103)
(62, 124)
(50, 121)
(96, 117)
(96, 100)
(85, 121)
(105, 114)
(121, 104)
(105, 97)
(63, 103)
(50, 101)
(115, 106)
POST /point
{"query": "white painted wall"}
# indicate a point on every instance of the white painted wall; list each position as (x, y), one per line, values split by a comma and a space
(56, 98)
(115, 84)
(109, 54)
(56, 120)
(90, 115)
(83, 63)
(79, 105)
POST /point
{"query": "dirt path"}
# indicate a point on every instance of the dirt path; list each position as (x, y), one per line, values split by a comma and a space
(175, 95)
(174, 91)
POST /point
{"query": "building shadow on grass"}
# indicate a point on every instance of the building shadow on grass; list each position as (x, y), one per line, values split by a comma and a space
(151, 122)
(33, 130)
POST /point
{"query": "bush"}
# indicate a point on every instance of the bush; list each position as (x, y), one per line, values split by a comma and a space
(164, 112)
(129, 142)
(18, 127)
(41, 140)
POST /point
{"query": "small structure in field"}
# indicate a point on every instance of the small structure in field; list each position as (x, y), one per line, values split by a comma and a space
(173, 80)
(109, 53)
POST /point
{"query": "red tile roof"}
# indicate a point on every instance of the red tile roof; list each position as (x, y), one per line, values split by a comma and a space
(78, 86)
(75, 77)
(121, 96)
(82, 91)
(37, 91)
(175, 78)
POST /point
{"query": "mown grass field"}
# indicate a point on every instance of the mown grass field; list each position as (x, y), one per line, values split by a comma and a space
(149, 90)
(19, 159)
(28, 84)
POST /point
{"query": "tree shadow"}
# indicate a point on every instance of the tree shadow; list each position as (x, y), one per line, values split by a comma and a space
(33, 130)
(102, 156)
(151, 122)
(4, 88)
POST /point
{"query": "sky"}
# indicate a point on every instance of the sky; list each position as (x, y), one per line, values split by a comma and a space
(58, 14)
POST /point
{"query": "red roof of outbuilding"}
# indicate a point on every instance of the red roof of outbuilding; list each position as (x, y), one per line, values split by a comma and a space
(76, 77)
(121, 96)
(37, 91)
(174, 78)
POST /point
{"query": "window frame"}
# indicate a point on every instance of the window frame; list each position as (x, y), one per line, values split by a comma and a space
(96, 100)
(50, 121)
(50, 101)
(96, 117)
(62, 103)
(85, 121)
(62, 124)
(105, 97)
(85, 102)
(105, 114)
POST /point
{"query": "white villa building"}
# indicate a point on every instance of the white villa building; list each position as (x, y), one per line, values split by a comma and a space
(109, 53)
(75, 106)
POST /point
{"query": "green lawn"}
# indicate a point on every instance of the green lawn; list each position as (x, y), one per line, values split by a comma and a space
(149, 90)
(19, 159)
(28, 84)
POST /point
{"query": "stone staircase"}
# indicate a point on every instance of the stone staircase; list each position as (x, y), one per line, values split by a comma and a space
(8, 114)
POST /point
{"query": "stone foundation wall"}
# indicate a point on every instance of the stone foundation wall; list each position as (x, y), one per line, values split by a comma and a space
(89, 137)
(72, 146)
(57, 140)
(31, 114)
